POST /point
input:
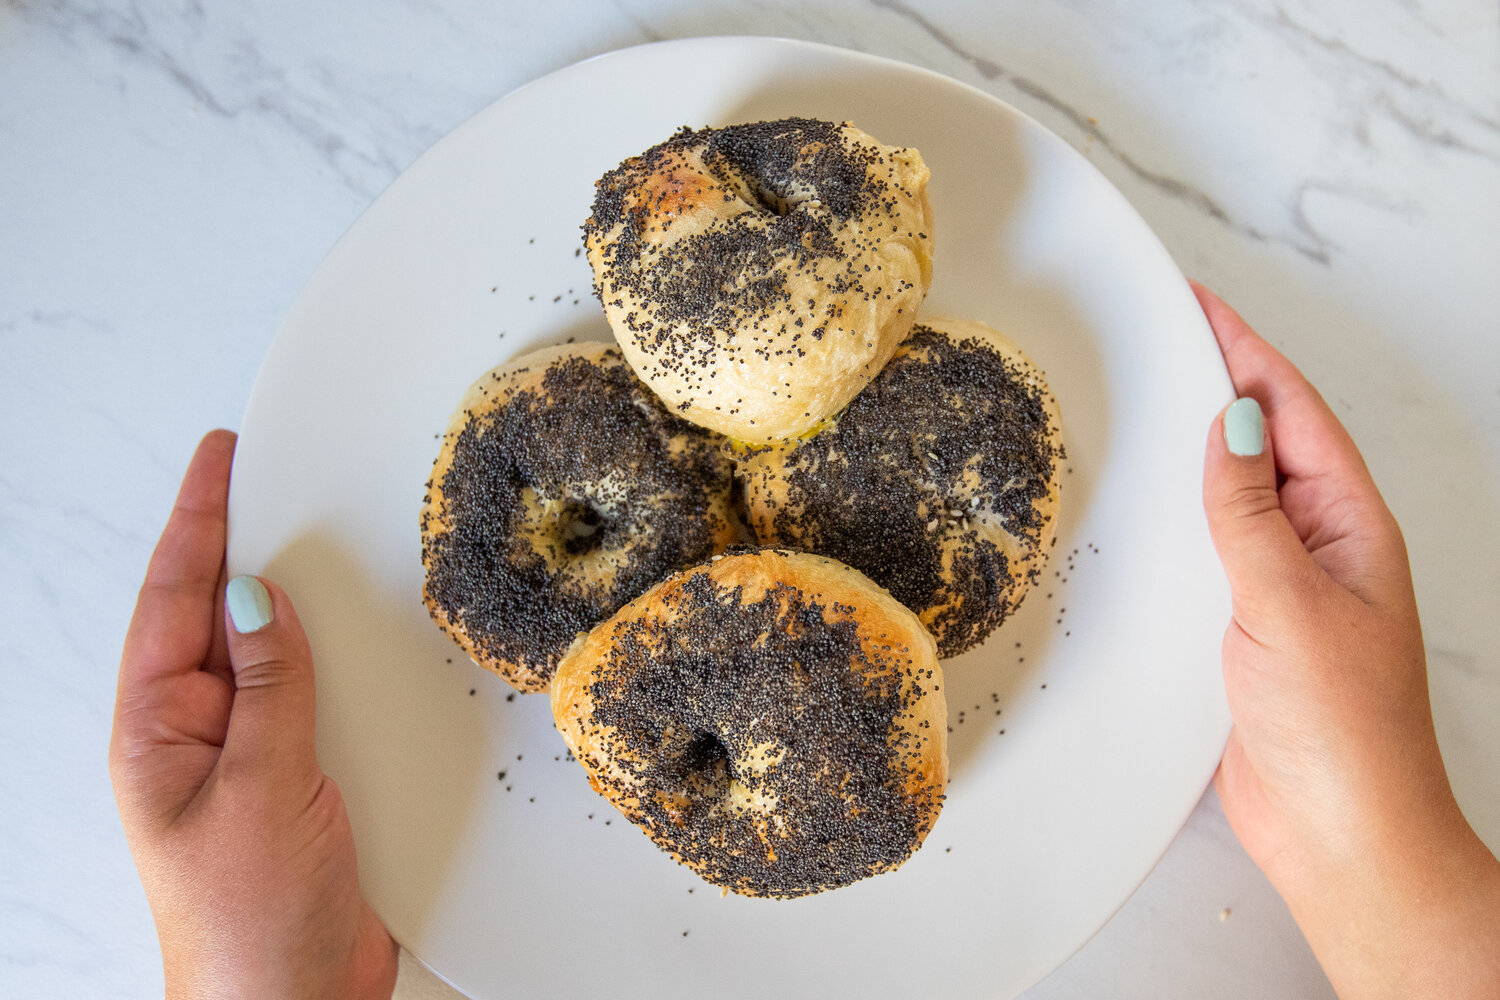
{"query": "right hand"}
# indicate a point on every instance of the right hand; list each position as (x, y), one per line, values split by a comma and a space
(1332, 779)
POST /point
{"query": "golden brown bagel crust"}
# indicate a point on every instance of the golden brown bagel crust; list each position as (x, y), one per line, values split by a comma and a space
(563, 489)
(940, 480)
(773, 720)
(757, 276)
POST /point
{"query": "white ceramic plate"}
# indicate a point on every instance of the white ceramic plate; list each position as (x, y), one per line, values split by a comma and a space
(1090, 724)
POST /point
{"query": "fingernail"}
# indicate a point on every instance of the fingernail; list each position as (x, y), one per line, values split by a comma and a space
(249, 604)
(1244, 428)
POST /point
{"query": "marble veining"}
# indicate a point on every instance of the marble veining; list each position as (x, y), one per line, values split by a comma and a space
(171, 171)
(1301, 235)
(1170, 186)
(1280, 19)
(304, 106)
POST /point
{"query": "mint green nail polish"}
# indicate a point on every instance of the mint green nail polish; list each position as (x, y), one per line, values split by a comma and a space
(1244, 428)
(249, 604)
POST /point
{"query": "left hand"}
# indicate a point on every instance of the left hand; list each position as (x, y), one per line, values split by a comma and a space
(242, 842)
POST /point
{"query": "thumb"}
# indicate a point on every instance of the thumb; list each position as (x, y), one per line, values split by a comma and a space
(1270, 572)
(271, 719)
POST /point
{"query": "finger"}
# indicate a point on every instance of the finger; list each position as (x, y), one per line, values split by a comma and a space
(271, 720)
(1320, 448)
(217, 662)
(1328, 495)
(173, 625)
(1271, 575)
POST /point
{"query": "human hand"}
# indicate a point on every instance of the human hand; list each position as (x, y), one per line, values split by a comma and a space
(242, 842)
(1332, 778)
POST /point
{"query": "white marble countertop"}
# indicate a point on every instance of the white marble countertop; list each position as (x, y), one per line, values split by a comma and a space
(171, 172)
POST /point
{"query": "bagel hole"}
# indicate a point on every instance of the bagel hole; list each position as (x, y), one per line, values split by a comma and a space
(706, 755)
(765, 199)
(583, 527)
